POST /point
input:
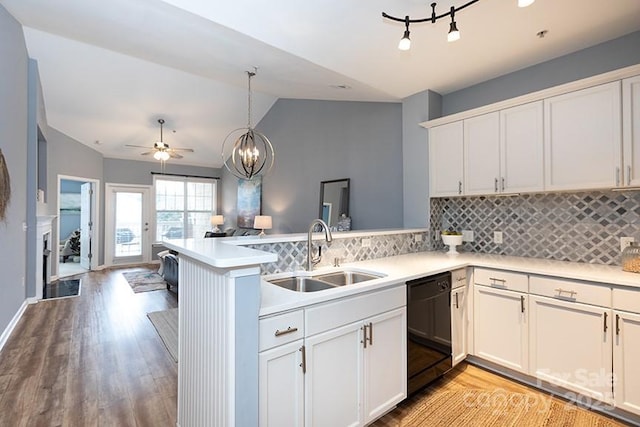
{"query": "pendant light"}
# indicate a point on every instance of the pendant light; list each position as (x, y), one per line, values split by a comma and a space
(252, 153)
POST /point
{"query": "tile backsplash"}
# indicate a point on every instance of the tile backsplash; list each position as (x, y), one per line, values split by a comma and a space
(580, 226)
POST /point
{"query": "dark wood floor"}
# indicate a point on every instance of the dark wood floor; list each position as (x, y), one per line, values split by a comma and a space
(90, 360)
(96, 360)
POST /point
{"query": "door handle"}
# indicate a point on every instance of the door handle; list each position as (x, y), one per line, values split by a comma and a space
(522, 303)
(370, 333)
(303, 365)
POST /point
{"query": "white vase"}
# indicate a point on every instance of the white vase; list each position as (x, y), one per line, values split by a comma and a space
(451, 240)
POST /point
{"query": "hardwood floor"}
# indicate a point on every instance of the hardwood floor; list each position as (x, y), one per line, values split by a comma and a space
(96, 360)
(90, 360)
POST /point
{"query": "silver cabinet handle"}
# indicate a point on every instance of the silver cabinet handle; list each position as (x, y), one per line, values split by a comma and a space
(617, 177)
(503, 183)
(289, 330)
(370, 333)
(522, 303)
(457, 301)
(460, 279)
(364, 328)
(617, 324)
(498, 282)
(560, 291)
(495, 185)
(303, 365)
(459, 187)
(605, 321)
(628, 174)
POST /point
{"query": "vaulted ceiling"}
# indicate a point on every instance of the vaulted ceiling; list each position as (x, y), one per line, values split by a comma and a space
(110, 69)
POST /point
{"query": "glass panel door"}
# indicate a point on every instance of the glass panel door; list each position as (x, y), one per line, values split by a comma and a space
(127, 230)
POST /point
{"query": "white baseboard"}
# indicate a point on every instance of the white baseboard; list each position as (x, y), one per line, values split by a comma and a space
(12, 324)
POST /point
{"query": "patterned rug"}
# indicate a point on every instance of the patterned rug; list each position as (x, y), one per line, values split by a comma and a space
(143, 281)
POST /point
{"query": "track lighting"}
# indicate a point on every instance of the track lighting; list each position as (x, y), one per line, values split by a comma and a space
(405, 41)
(454, 33)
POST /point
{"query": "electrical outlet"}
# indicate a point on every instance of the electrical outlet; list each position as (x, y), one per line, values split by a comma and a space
(366, 243)
(497, 237)
(467, 236)
(626, 241)
(417, 238)
(22, 281)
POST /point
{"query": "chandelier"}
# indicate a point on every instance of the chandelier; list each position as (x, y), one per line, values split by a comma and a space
(252, 153)
(454, 33)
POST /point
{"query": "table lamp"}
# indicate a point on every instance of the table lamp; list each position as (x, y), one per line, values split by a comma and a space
(262, 222)
(216, 220)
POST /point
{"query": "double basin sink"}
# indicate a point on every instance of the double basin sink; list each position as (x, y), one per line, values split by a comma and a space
(305, 283)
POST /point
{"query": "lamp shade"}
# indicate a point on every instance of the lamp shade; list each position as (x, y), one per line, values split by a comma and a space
(262, 222)
(217, 220)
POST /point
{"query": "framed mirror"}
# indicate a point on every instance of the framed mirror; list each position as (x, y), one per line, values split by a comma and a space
(334, 200)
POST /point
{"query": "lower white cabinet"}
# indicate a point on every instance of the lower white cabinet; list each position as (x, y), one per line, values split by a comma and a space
(500, 327)
(281, 383)
(626, 353)
(459, 324)
(570, 346)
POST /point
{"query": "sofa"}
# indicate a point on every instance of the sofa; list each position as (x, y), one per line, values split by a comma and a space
(70, 247)
(169, 269)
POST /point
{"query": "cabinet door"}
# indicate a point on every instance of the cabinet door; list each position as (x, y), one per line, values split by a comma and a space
(570, 346)
(626, 353)
(482, 154)
(583, 139)
(521, 148)
(445, 160)
(333, 381)
(385, 363)
(500, 327)
(459, 324)
(631, 131)
(281, 386)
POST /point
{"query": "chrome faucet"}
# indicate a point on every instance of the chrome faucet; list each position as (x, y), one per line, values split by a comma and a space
(312, 258)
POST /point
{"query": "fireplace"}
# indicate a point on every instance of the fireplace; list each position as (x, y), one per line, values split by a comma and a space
(43, 252)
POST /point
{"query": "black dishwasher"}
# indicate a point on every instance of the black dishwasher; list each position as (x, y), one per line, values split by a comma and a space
(428, 330)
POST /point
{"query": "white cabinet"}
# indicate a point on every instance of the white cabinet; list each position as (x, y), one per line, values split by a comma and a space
(281, 386)
(583, 139)
(482, 154)
(570, 345)
(445, 160)
(356, 373)
(631, 131)
(500, 327)
(521, 148)
(459, 324)
(626, 349)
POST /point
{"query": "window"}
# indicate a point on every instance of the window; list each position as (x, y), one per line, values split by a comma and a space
(183, 207)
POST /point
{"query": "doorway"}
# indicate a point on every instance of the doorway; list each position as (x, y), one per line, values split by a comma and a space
(128, 225)
(76, 225)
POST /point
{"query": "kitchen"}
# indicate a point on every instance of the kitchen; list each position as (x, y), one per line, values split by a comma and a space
(484, 237)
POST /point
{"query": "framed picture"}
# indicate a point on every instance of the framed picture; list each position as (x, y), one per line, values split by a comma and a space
(249, 201)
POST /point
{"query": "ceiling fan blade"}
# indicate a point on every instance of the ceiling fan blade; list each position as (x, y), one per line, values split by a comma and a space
(188, 150)
(174, 155)
(137, 146)
(147, 153)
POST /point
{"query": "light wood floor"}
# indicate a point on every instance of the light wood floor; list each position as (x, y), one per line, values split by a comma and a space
(96, 360)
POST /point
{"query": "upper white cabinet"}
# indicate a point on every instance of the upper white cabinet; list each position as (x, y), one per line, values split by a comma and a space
(631, 131)
(482, 154)
(583, 139)
(445, 160)
(521, 148)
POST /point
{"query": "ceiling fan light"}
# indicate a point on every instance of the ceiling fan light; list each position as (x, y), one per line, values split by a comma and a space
(525, 3)
(405, 41)
(161, 155)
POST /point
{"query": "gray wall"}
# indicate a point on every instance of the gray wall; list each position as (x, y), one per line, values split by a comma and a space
(608, 56)
(118, 171)
(13, 142)
(324, 140)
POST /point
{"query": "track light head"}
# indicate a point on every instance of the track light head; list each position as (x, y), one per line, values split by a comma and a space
(405, 41)
(525, 3)
(454, 33)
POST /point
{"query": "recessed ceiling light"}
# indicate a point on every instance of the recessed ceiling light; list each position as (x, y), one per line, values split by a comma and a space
(340, 86)
(97, 142)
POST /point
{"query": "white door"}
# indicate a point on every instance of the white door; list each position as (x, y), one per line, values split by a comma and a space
(127, 230)
(521, 148)
(626, 354)
(86, 225)
(385, 363)
(482, 154)
(281, 386)
(631, 131)
(459, 324)
(333, 382)
(583, 139)
(445, 160)
(570, 345)
(500, 327)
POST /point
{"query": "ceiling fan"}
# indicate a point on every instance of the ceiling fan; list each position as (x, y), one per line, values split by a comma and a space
(160, 149)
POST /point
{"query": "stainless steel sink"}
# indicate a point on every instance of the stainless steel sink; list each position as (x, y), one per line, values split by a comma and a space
(301, 284)
(305, 283)
(347, 277)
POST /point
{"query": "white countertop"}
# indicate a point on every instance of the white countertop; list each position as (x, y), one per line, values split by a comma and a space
(217, 253)
(399, 269)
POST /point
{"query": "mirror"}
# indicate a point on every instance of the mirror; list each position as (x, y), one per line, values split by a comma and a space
(334, 200)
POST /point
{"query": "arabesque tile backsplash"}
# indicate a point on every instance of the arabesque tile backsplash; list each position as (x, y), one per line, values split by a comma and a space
(580, 226)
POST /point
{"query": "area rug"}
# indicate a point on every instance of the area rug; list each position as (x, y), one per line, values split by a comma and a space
(62, 289)
(143, 281)
(166, 323)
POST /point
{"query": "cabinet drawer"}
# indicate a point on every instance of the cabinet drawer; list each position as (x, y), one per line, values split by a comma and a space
(501, 279)
(281, 329)
(571, 290)
(458, 278)
(626, 299)
(332, 315)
